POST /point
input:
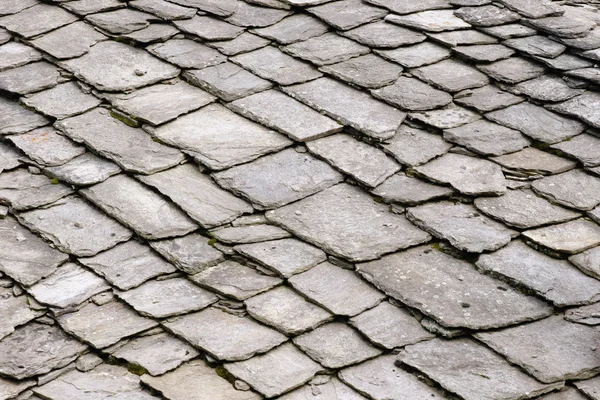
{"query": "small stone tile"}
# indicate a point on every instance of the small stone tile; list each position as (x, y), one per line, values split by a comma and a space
(241, 44)
(409, 7)
(532, 9)
(547, 88)
(413, 95)
(565, 26)
(46, 147)
(586, 315)
(249, 15)
(15, 54)
(487, 138)
(120, 21)
(509, 31)
(590, 387)
(209, 28)
(333, 389)
(62, 101)
(569, 237)
(368, 71)
(38, 19)
(536, 46)
(567, 394)
(22, 190)
(404, 189)
(451, 116)
(5, 35)
(589, 74)
(84, 7)
(585, 148)
(575, 189)
(15, 6)
(235, 280)
(249, 234)
(588, 261)
(286, 311)
(328, 48)
(191, 253)
(187, 53)
(584, 107)
(430, 21)
(533, 161)
(162, 299)
(30, 78)
(416, 56)
(484, 52)
(412, 146)
(12, 388)
(9, 158)
(84, 170)
(512, 70)
(381, 34)
(347, 14)
(486, 98)
(225, 336)
(463, 37)
(15, 311)
(164, 9)
(153, 33)
(222, 8)
(292, 29)
(451, 76)
(488, 15)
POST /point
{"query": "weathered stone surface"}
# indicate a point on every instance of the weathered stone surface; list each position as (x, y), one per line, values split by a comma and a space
(587, 315)
(585, 148)
(565, 26)
(125, 20)
(533, 161)
(225, 336)
(295, 28)
(487, 138)
(330, 219)
(591, 387)
(84, 7)
(451, 76)
(349, 106)
(584, 107)
(102, 326)
(537, 345)
(10, 388)
(46, 147)
(191, 253)
(567, 394)
(484, 52)
(347, 14)
(512, 70)
(9, 158)
(575, 189)
(86, 169)
(408, 7)
(61, 101)
(338, 290)
(115, 66)
(532, 8)
(333, 389)
(547, 88)
(22, 190)
(150, 216)
(222, 8)
(368, 71)
(187, 53)
(462, 38)
(430, 21)
(588, 261)
(450, 116)
(156, 32)
(5, 35)
(164, 9)
(37, 349)
(383, 35)
(241, 44)
(328, 48)
(487, 98)
(15, 6)
(408, 190)
(165, 298)
(487, 15)
(209, 28)
(390, 326)
(196, 381)
(250, 15)
(590, 74)
(15, 311)
(15, 54)
(565, 62)
(569, 237)
(412, 146)
(30, 78)
(249, 234)
(381, 379)
(286, 311)
(471, 370)
(286, 115)
(412, 94)
(416, 56)
(37, 19)
(536, 46)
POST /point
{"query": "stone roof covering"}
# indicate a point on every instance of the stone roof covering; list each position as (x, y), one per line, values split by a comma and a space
(299, 199)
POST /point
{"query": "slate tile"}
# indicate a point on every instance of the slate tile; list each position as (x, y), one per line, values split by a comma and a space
(590, 74)
(30, 78)
(487, 15)
(486, 98)
(15, 311)
(412, 146)
(451, 76)
(61, 101)
(46, 147)
(583, 107)
(462, 38)
(588, 262)
(569, 237)
(451, 116)
(487, 138)
(380, 34)
(209, 28)
(222, 8)
(533, 161)
(12, 388)
(241, 44)
(333, 389)
(9, 158)
(15, 6)
(567, 394)
(585, 148)
(22, 190)
(83, 170)
(248, 15)
(400, 188)
(484, 52)
(187, 53)
(164, 9)
(70, 41)
(409, 7)
(292, 29)
(590, 387)
(532, 8)
(430, 21)
(536, 46)
(547, 88)
(575, 189)
(591, 41)
(328, 48)
(512, 70)
(191, 253)
(152, 33)
(84, 7)
(368, 71)
(5, 35)
(509, 31)
(120, 21)
(564, 26)
(15, 54)
(413, 95)
(347, 14)
(249, 234)
(303, 3)
(416, 56)
(38, 19)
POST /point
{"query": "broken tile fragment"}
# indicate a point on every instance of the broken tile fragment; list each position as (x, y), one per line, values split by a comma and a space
(191, 253)
(569, 237)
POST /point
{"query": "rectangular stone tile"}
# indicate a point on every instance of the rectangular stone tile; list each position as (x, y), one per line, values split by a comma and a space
(37, 19)
(347, 14)
(84, 170)
(383, 35)
(30, 78)
(241, 44)
(15, 54)
(187, 53)
(292, 29)
(22, 190)
(209, 28)
(46, 146)
(569, 237)
(430, 21)
(368, 71)
(191, 254)
(328, 48)
(64, 100)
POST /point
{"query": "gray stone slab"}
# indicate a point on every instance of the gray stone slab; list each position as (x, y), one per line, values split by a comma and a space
(547, 88)
(166, 298)
(462, 38)
(347, 14)
(84, 7)
(451, 116)
(38, 19)
(536, 45)
(588, 261)
(533, 8)
(338, 290)
(12, 388)
(209, 28)
(589, 74)
(62, 101)
(104, 325)
(129, 147)
(5, 35)
(451, 291)
(417, 55)
(585, 148)
(575, 189)
(565, 62)
(241, 44)
(487, 15)
(590, 387)
(368, 71)
(292, 29)
(37, 349)
(567, 394)
(222, 8)
(196, 381)
(15, 6)
(46, 147)
(113, 66)
(380, 34)
(473, 371)
(512, 70)
(584, 107)
(587, 315)
(345, 221)
(565, 26)
(9, 158)
(15, 54)
(409, 7)
(225, 336)
(509, 31)
(249, 234)
(487, 138)
(22, 190)
(15, 311)
(333, 389)
(153, 33)
(191, 253)
(187, 53)
(328, 48)
(86, 169)
(533, 161)
(349, 106)
(486, 98)
(412, 146)
(537, 345)
(249, 15)
(484, 52)
(569, 237)
(407, 190)
(164, 9)
(412, 94)
(430, 21)
(121, 21)
(286, 311)
(452, 76)
(591, 41)
(30, 78)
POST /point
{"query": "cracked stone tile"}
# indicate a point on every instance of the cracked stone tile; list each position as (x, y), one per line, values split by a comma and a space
(270, 63)
(569, 237)
(17, 119)
(222, 8)
(486, 98)
(38, 19)
(15, 6)
(162, 299)
(472, 371)
(61, 101)
(584, 107)
(9, 158)
(36, 349)
(537, 122)
(22, 190)
(241, 44)
(338, 290)
(575, 189)
(565, 26)
(120, 21)
(25, 257)
(227, 81)
(461, 225)
(347, 14)
(153, 33)
(232, 279)
(105, 325)
(512, 70)
(104, 381)
(400, 188)
(286, 311)
(467, 299)
(84, 7)
(225, 336)
(329, 219)
(430, 21)
(585, 148)
(15, 311)
(131, 148)
(46, 147)
(333, 389)
(537, 345)
(451, 116)
(30, 78)
(187, 53)
(349, 106)
(417, 55)
(409, 7)
(249, 234)
(484, 52)
(70, 41)
(382, 379)
(532, 8)
(362, 161)
(248, 15)
(191, 253)
(412, 94)
(588, 261)
(389, 326)
(150, 216)
(383, 35)
(209, 28)
(163, 9)
(328, 48)
(533, 161)
(69, 286)
(487, 138)
(278, 179)
(487, 15)
(412, 146)
(587, 315)
(547, 88)
(286, 115)
(368, 71)
(86, 169)
(292, 29)
(15, 54)
(196, 381)
(113, 66)
(555, 280)
(462, 76)
(10, 388)
(462, 38)
(536, 45)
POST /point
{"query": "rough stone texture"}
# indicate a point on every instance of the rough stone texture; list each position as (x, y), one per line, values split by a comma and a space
(512, 70)
(333, 389)
(46, 147)
(163, 9)
(452, 76)
(450, 116)
(368, 71)
(575, 189)
(330, 220)
(10, 388)
(590, 74)
(547, 88)
(411, 146)
(328, 48)
(487, 15)
(564, 26)
(241, 44)
(533, 161)
(15, 6)
(534, 346)
(187, 53)
(463, 38)
(22, 190)
(120, 21)
(15, 54)
(487, 98)
(383, 35)
(209, 28)
(567, 394)
(584, 107)
(30, 78)
(484, 53)
(347, 14)
(471, 370)
(222, 8)
(587, 315)
(191, 253)
(416, 56)
(84, 170)
(413, 95)
(84, 7)
(61, 101)
(408, 7)
(569, 237)
(591, 387)
(585, 148)
(38, 19)
(9, 158)
(408, 190)
(15, 312)
(295, 28)
(588, 261)
(250, 15)
(249, 234)
(225, 336)
(430, 21)
(487, 138)
(532, 8)
(536, 46)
